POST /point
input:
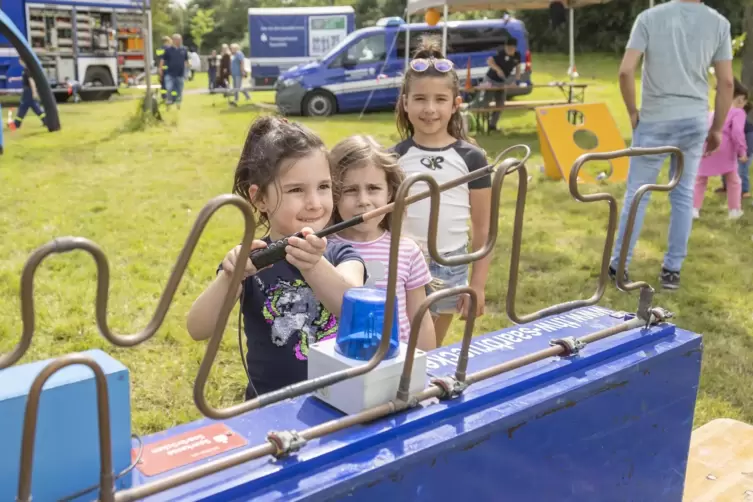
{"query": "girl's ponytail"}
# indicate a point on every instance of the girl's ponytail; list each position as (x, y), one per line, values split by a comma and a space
(429, 47)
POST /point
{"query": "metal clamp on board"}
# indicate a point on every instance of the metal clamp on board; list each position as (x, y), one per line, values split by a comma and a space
(570, 345)
(285, 442)
(451, 387)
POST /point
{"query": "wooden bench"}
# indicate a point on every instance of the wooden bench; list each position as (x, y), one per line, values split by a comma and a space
(518, 105)
(482, 114)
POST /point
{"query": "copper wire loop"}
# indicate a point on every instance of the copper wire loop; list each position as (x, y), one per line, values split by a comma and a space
(499, 168)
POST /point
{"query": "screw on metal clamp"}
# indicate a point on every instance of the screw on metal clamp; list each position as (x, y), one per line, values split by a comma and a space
(571, 345)
(285, 442)
(450, 386)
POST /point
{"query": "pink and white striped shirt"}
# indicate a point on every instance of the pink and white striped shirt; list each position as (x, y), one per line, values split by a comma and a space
(412, 271)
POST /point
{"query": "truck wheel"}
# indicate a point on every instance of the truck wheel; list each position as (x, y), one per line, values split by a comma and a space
(319, 104)
(96, 77)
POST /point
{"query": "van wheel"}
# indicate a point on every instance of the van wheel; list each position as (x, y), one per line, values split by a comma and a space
(319, 104)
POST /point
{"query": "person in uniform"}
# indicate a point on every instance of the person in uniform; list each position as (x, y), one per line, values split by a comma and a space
(28, 99)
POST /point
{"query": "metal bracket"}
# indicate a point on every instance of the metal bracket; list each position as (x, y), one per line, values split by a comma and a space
(660, 315)
(571, 345)
(450, 386)
(644, 304)
(285, 442)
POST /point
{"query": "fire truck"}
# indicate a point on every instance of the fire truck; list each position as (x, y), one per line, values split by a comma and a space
(95, 45)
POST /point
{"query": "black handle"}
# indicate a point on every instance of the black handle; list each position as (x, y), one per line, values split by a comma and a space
(274, 252)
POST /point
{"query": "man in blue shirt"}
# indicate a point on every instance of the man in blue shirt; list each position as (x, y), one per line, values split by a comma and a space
(175, 62)
(679, 41)
(238, 72)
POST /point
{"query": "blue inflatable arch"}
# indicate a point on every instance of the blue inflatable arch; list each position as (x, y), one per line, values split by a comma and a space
(11, 33)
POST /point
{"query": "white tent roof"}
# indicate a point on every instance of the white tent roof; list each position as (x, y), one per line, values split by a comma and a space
(415, 6)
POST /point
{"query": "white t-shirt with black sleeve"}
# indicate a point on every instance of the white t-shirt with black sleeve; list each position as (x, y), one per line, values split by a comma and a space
(444, 164)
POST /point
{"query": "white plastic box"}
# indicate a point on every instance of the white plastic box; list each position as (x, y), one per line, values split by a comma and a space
(376, 387)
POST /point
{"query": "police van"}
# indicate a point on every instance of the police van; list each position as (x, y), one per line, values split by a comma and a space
(364, 71)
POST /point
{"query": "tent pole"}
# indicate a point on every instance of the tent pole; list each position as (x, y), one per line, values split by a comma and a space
(407, 42)
(444, 30)
(571, 23)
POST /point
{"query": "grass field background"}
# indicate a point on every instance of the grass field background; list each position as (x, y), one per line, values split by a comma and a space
(137, 194)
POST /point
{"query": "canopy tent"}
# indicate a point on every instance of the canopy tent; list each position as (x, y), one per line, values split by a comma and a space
(417, 6)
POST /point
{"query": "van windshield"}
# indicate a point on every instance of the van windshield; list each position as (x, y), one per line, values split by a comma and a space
(339, 47)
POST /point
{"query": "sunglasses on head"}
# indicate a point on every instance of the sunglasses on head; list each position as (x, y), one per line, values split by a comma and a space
(422, 64)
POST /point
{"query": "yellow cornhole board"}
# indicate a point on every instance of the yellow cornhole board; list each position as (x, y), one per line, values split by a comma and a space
(562, 127)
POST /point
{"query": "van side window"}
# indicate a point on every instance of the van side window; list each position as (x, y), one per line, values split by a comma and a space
(481, 39)
(415, 39)
(462, 40)
(367, 50)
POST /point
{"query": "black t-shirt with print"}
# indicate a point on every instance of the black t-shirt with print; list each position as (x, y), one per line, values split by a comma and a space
(281, 317)
(506, 62)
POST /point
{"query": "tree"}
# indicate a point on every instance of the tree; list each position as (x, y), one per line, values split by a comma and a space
(202, 23)
(161, 21)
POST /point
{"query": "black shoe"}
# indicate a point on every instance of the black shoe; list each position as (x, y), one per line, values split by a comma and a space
(669, 279)
(613, 275)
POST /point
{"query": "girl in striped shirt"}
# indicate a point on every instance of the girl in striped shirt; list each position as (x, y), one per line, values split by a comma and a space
(368, 177)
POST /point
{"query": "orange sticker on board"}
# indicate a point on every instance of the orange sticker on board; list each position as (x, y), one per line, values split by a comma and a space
(186, 448)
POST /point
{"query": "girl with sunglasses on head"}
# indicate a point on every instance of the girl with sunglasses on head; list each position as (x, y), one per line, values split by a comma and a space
(435, 142)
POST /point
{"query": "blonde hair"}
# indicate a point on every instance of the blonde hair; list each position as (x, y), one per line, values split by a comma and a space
(360, 151)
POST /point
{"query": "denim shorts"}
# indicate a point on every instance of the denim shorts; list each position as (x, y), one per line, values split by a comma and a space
(445, 278)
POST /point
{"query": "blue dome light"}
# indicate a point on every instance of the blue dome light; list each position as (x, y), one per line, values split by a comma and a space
(361, 323)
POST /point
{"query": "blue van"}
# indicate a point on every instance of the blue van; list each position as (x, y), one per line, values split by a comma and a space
(364, 71)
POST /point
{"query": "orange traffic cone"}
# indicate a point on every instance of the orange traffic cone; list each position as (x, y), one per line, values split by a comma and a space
(11, 122)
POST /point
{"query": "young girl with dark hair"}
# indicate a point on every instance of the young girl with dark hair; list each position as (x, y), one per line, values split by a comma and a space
(284, 172)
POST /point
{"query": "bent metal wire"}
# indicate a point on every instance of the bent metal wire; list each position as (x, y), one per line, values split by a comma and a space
(282, 443)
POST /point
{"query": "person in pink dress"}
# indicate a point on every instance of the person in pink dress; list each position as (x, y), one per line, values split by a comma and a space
(724, 162)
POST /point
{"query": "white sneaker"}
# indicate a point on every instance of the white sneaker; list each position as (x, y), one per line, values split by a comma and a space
(696, 213)
(735, 214)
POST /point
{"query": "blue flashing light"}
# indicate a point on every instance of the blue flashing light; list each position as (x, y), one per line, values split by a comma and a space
(361, 323)
(390, 21)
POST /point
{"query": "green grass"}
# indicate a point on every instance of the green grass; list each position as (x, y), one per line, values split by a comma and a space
(137, 194)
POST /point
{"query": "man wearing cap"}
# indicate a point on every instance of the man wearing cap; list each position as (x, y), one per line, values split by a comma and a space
(504, 69)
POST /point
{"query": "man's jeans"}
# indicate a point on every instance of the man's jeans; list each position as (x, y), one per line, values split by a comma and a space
(237, 84)
(499, 97)
(174, 88)
(212, 74)
(688, 135)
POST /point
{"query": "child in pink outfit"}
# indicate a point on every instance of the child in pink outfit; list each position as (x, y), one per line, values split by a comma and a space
(724, 161)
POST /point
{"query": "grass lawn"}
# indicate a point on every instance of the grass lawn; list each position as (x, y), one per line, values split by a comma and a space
(136, 194)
